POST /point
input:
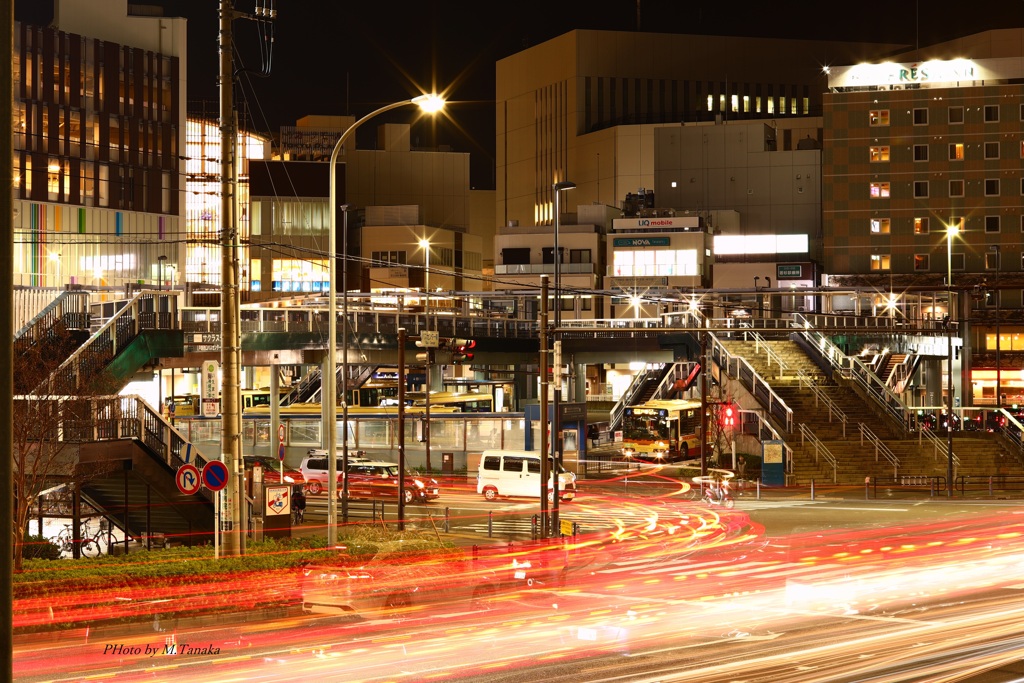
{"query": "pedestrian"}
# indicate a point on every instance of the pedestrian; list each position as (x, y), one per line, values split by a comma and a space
(741, 467)
(298, 505)
(592, 434)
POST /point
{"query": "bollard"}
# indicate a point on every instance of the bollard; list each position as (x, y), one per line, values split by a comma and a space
(534, 522)
(447, 519)
(490, 524)
(759, 489)
(990, 486)
(867, 489)
(812, 489)
(931, 487)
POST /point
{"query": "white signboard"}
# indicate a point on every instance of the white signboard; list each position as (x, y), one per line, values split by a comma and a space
(278, 500)
(210, 380)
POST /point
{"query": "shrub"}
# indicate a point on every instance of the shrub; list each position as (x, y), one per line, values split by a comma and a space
(39, 548)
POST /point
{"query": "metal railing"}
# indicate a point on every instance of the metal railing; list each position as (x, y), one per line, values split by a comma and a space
(739, 369)
(940, 446)
(821, 451)
(145, 311)
(866, 435)
(761, 344)
(834, 412)
(628, 397)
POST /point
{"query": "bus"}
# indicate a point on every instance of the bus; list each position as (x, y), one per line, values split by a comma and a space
(466, 402)
(662, 430)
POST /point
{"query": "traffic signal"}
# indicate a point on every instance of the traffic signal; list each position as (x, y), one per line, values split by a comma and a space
(461, 350)
(426, 356)
(729, 415)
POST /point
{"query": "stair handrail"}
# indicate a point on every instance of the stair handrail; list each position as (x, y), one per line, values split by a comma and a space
(760, 343)
(628, 396)
(734, 366)
(115, 334)
(880, 448)
(1014, 435)
(851, 368)
(820, 449)
(834, 411)
(939, 446)
(57, 309)
(675, 372)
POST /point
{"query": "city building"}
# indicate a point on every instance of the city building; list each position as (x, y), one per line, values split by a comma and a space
(928, 141)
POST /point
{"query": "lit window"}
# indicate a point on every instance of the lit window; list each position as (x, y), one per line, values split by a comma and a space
(878, 117)
(880, 226)
(956, 188)
(956, 151)
(879, 153)
(991, 260)
(921, 189)
(920, 117)
(880, 262)
(956, 114)
(921, 262)
(921, 225)
(879, 190)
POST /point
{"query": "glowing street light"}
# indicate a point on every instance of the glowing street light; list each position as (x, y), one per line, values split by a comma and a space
(429, 104)
(951, 230)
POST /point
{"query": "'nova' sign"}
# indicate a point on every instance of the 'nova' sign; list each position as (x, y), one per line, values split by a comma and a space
(641, 242)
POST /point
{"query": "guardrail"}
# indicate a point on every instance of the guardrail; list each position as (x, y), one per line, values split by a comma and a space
(820, 450)
(939, 445)
(866, 435)
(834, 412)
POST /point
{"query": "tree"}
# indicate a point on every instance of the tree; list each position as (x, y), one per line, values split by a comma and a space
(47, 423)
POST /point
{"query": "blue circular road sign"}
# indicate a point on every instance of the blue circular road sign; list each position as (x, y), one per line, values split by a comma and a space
(215, 475)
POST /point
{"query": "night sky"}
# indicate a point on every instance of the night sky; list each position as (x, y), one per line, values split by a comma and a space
(335, 57)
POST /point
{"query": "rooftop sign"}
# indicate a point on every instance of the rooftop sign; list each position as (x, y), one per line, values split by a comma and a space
(912, 74)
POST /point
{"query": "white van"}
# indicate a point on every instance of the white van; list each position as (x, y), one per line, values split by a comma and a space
(517, 473)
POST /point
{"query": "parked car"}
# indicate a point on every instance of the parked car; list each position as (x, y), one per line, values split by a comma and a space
(367, 479)
(272, 469)
(933, 422)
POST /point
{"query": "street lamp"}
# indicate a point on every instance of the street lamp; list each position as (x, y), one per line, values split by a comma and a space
(999, 383)
(430, 104)
(556, 432)
(950, 231)
(425, 245)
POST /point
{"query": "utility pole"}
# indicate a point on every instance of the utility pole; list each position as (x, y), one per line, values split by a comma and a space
(401, 428)
(7, 354)
(545, 467)
(230, 437)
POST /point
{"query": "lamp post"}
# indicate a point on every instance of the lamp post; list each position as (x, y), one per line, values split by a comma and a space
(999, 383)
(160, 285)
(556, 432)
(950, 231)
(425, 244)
(431, 103)
(344, 358)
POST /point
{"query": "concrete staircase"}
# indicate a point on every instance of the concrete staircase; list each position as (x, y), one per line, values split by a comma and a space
(980, 453)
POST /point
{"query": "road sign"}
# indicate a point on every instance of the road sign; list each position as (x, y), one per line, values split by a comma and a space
(280, 432)
(430, 338)
(188, 479)
(280, 452)
(215, 475)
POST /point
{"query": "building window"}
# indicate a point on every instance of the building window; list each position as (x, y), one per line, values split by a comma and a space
(920, 152)
(920, 117)
(880, 226)
(991, 150)
(879, 190)
(579, 256)
(992, 187)
(992, 298)
(956, 151)
(956, 188)
(878, 117)
(387, 258)
(991, 223)
(921, 189)
(1022, 112)
(991, 260)
(921, 225)
(991, 113)
(956, 222)
(957, 261)
(879, 153)
(879, 262)
(956, 114)
(921, 262)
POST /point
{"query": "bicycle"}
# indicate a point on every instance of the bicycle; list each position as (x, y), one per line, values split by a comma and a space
(90, 545)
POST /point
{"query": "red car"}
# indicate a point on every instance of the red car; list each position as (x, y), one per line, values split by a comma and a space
(272, 469)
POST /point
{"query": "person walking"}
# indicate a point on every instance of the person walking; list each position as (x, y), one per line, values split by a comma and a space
(298, 505)
(593, 434)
